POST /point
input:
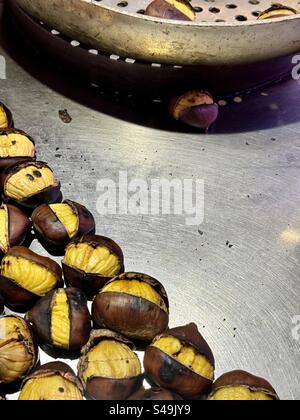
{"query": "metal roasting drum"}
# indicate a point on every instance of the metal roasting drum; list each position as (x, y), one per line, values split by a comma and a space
(225, 31)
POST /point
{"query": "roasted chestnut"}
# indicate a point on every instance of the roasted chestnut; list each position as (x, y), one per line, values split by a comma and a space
(171, 9)
(26, 276)
(6, 120)
(194, 108)
(15, 147)
(51, 382)
(90, 262)
(133, 304)
(108, 368)
(30, 184)
(61, 319)
(240, 385)
(277, 11)
(181, 360)
(58, 224)
(18, 352)
(14, 227)
(154, 394)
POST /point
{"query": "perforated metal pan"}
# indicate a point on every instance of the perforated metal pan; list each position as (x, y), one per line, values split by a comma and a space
(225, 31)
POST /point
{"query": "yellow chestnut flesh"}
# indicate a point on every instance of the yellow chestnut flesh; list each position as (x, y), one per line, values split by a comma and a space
(277, 12)
(67, 217)
(239, 393)
(29, 181)
(60, 322)
(50, 388)
(186, 355)
(4, 243)
(16, 145)
(29, 275)
(136, 288)
(15, 356)
(92, 260)
(111, 359)
(3, 118)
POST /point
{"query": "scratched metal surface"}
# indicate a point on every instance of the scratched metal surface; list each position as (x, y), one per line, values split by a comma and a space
(243, 296)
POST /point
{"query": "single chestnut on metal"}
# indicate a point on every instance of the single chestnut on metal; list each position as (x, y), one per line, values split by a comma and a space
(30, 184)
(15, 147)
(154, 394)
(54, 381)
(61, 319)
(90, 262)
(133, 304)
(171, 9)
(109, 368)
(194, 108)
(18, 351)
(25, 277)
(242, 386)
(14, 227)
(57, 224)
(277, 11)
(181, 360)
(6, 119)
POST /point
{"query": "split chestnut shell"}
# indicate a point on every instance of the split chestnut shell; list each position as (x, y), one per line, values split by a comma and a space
(181, 360)
(240, 385)
(108, 368)
(133, 304)
(15, 147)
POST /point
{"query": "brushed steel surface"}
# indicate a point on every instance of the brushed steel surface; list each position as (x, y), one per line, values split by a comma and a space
(111, 28)
(242, 297)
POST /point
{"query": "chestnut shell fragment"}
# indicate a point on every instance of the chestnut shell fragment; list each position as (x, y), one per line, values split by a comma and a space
(164, 10)
(91, 283)
(238, 378)
(52, 232)
(168, 373)
(102, 388)
(15, 296)
(13, 161)
(132, 316)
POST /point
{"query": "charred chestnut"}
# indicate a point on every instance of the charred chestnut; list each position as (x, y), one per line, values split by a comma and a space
(133, 304)
(108, 368)
(171, 9)
(6, 120)
(194, 108)
(61, 319)
(14, 227)
(18, 352)
(242, 386)
(30, 184)
(90, 262)
(51, 382)
(26, 276)
(154, 394)
(15, 147)
(57, 224)
(181, 360)
(277, 11)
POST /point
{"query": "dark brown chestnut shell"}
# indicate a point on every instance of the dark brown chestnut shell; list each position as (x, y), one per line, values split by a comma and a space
(9, 116)
(12, 161)
(238, 378)
(101, 388)
(54, 368)
(14, 295)
(53, 233)
(168, 373)
(18, 226)
(154, 394)
(80, 320)
(49, 195)
(164, 10)
(1, 305)
(132, 316)
(90, 283)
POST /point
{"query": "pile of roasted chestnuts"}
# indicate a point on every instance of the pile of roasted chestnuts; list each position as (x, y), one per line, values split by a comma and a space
(127, 309)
